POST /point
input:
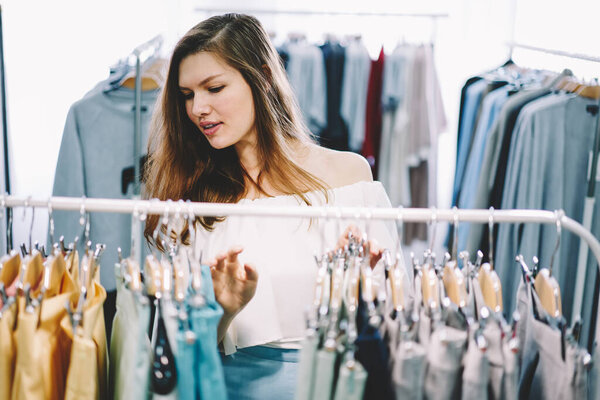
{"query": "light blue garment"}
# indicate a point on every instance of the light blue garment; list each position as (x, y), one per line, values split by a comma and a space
(261, 373)
(130, 354)
(209, 371)
(186, 383)
(357, 67)
(490, 108)
(199, 369)
(393, 87)
(491, 157)
(306, 73)
(547, 170)
(472, 101)
(97, 144)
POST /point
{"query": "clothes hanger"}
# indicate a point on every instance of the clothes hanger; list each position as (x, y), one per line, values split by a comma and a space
(194, 257)
(490, 284)
(429, 280)
(397, 270)
(163, 376)
(452, 277)
(545, 284)
(591, 91)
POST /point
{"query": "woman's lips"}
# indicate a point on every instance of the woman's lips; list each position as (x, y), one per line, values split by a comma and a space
(210, 130)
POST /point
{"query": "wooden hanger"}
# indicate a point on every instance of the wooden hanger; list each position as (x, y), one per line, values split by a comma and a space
(32, 268)
(10, 267)
(152, 78)
(396, 276)
(548, 291)
(455, 283)
(545, 285)
(491, 287)
(429, 287)
(589, 91)
(152, 272)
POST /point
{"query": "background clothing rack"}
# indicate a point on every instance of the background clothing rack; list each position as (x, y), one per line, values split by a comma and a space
(516, 45)
(588, 210)
(143, 54)
(332, 13)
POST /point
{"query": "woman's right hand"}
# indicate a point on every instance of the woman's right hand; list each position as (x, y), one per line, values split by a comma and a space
(234, 283)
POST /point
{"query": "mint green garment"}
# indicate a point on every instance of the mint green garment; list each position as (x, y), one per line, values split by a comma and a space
(306, 368)
(351, 381)
(129, 345)
(324, 374)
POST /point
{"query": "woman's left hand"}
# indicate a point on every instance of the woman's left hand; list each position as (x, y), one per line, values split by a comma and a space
(375, 251)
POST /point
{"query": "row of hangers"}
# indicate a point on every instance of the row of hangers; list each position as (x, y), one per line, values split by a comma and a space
(441, 285)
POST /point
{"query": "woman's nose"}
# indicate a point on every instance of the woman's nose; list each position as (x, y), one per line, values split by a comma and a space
(200, 106)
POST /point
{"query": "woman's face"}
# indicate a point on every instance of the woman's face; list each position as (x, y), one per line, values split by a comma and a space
(217, 100)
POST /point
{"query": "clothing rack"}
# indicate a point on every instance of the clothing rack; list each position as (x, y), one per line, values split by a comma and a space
(428, 215)
(580, 56)
(588, 210)
(145, 51)
(330, 13)
(142, 54)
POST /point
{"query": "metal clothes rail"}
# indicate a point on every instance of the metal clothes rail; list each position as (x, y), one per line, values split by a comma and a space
(329, 212)
(315, 12)
(580, 56)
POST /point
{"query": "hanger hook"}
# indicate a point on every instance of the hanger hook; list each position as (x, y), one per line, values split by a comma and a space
(491, 236)
(558, 215)
(400, 228)
(50, 220)
(136, 216)
(26, 206)
(433, 224)
(455, 234)
(84, 220)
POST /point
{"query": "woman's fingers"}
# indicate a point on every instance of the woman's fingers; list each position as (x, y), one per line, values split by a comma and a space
(376, 252)
(251, 273)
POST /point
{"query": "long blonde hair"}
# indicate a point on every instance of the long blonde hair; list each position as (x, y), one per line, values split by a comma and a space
(183, 165)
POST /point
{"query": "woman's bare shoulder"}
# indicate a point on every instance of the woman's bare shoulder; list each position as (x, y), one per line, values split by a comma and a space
(337, 168)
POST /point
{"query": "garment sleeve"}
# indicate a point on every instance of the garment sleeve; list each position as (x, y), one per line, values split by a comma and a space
(69, 179)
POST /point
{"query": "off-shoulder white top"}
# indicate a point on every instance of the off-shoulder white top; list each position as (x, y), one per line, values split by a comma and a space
(282, 251)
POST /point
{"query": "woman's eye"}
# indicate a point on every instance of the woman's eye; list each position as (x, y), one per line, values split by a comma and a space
(216, 89)
(188, 95)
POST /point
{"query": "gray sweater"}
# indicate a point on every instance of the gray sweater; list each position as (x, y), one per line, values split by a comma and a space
(96, 149)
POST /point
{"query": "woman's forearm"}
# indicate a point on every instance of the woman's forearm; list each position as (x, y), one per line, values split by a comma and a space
(223, 325)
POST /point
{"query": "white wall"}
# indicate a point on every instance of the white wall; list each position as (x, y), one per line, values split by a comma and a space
(56, 51)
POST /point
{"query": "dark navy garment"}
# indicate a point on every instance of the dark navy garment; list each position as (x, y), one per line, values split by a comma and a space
(335, 134)
(373, 354)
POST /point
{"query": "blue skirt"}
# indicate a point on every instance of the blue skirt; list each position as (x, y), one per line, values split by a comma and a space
(261, 372)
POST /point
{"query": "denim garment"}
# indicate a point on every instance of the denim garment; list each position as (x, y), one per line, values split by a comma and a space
(261, 373)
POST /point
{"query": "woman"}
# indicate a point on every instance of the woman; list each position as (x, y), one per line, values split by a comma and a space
(228, 130)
